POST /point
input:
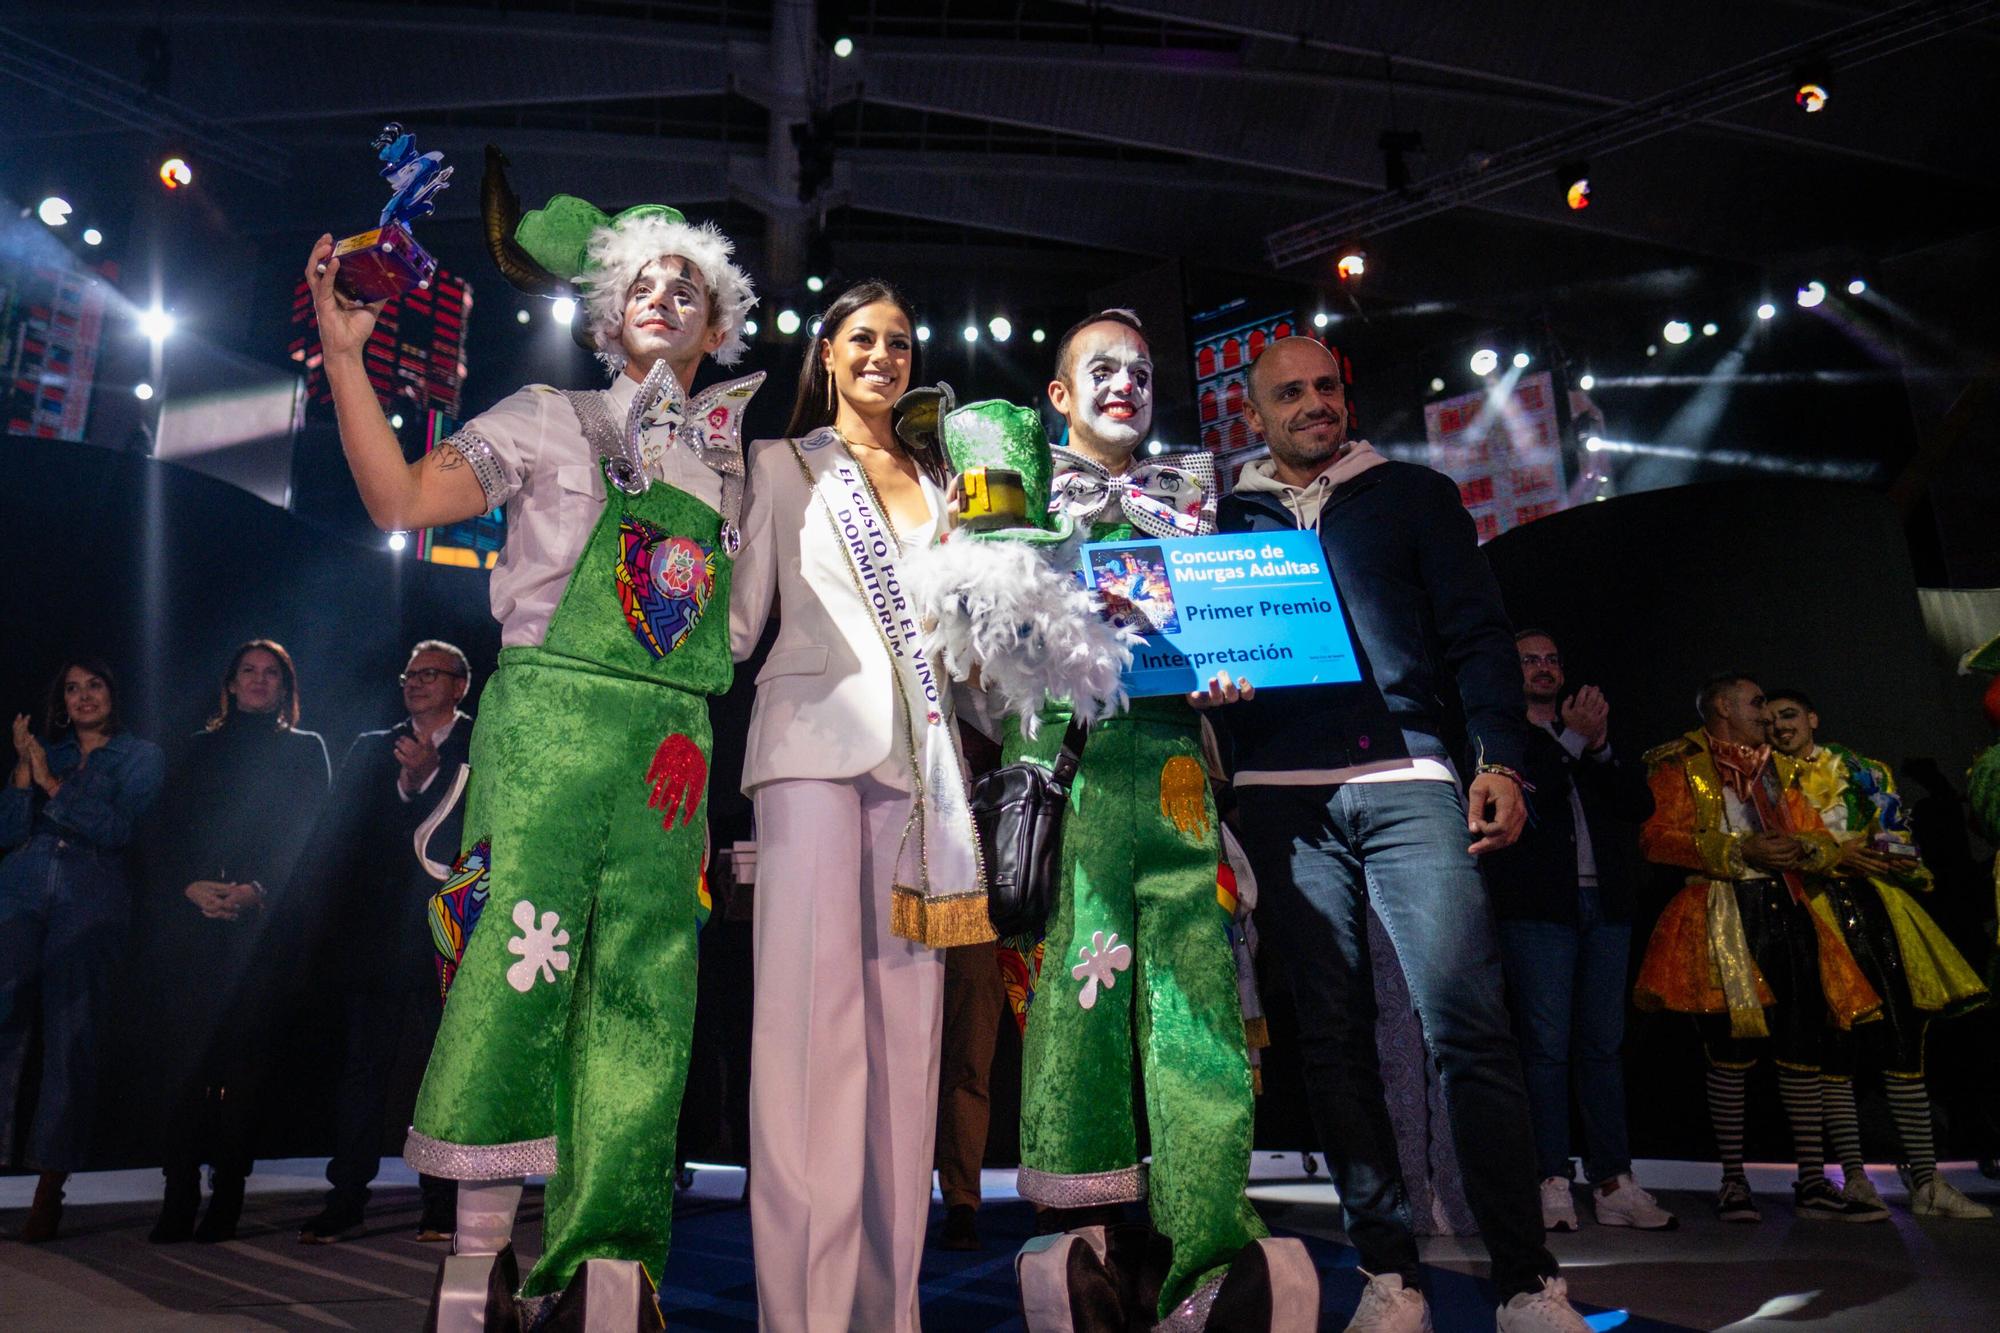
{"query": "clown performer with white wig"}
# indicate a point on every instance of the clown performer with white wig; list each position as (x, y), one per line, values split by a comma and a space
(564, 1044)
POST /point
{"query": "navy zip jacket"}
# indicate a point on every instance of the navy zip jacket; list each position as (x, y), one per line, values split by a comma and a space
(1427, 622)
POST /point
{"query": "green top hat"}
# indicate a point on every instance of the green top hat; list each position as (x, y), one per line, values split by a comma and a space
(991, 434)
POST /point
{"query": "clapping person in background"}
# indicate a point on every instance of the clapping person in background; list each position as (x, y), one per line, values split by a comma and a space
(247, 788)
(363, 882)
(68, 812)
(1563, 899)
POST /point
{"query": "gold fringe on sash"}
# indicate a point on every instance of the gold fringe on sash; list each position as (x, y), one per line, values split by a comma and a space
(940, 922)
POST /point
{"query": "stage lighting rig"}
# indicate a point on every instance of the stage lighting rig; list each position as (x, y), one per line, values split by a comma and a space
(53, 211)
(788, 322)
(1000, 327)
(1352, 264)
(1812, 92)
(1811, 294)
(1767, 311)
(1575, 179)
(176, 174)
(1677, 331)
(1854, 288)
(156, 324)
(1485, 361)
(923, 333)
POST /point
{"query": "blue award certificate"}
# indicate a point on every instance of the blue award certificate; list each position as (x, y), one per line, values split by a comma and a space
(1259, 605)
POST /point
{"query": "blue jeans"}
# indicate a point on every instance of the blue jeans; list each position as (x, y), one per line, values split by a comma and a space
(1567, 986)
(63, 914)
(1322, 855)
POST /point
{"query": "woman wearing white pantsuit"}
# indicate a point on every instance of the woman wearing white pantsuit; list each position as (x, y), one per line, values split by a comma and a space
(844, 1045)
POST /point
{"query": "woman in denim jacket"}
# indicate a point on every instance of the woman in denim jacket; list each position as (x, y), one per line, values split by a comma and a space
(68, 814)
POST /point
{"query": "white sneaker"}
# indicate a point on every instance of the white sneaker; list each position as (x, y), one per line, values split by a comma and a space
(1558, 1207)
(1387, 1306)
(1939, 1199)
(1859, 1188)
(1624, 1204)
(1544, 1311)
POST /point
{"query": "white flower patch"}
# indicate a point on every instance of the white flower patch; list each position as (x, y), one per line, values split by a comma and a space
(540, 948)
(1103, 959)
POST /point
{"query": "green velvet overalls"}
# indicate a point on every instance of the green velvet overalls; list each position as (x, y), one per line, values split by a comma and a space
(1139, 856)
(564, 1045)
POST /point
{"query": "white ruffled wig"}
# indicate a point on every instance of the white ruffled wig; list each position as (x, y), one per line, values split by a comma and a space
(617, 254)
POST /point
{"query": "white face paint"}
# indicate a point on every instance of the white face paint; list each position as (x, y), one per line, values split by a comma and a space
(1110, 388)
(666, 313)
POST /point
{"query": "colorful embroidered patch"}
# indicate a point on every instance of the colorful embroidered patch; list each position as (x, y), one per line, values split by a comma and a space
(678, 776)
(704, 902)
(1225, 887)
(664, 584)
(1019, 971)
(1183, 795)
(455, 909)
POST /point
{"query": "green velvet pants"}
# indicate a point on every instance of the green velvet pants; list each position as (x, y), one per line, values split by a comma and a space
(564, 1044)
(1140, 849)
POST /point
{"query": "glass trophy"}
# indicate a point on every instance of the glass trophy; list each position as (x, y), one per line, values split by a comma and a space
(387, 261)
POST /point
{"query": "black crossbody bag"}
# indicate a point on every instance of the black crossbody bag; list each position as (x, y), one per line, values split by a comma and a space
(1018, 813)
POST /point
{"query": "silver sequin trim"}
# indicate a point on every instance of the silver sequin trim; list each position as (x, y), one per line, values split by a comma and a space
(1126, 1185)
(478, 451)
(1191, 1315)
(462, 1161)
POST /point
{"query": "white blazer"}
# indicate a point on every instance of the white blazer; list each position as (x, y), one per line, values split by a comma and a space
(825, 705)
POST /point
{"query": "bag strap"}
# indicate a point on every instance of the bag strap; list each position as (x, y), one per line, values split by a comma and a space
(1072, 752)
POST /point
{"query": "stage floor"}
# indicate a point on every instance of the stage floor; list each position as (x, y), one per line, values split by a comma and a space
(1941, 1277)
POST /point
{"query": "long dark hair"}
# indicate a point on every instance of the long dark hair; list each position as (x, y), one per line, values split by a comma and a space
(814, 405)
(287, 715)
(55, 709)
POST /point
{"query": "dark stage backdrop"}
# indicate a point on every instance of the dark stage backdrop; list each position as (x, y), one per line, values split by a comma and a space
(162, 571)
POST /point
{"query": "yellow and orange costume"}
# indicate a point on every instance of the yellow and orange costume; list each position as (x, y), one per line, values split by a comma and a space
(1699, 960)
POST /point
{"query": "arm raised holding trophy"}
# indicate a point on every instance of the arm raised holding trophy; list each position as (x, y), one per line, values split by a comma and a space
(400, 496)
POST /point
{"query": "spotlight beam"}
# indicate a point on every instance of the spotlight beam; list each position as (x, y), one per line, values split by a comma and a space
(1767, 76)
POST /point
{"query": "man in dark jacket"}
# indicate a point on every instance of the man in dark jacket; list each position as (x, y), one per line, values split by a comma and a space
(1563, 894)
(373, 891)
(1347, 797)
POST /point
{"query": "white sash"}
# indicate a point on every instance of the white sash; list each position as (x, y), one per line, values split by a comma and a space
(939, 894)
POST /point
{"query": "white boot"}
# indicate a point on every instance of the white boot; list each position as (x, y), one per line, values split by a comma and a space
(1939, 1199)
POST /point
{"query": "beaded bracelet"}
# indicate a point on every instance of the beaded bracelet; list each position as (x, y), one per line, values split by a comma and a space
(1502, 770)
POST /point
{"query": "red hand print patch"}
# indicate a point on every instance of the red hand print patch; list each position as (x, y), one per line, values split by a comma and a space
(678, 776)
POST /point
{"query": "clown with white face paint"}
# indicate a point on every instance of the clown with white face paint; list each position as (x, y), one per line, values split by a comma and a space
(565, 1038)
(1104, 386)
(1139, 961)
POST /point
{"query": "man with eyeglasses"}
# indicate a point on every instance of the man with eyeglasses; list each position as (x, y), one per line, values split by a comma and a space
(1562, 896)
(371, 894)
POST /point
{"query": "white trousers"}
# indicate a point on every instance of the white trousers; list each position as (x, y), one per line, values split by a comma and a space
(843, 1065)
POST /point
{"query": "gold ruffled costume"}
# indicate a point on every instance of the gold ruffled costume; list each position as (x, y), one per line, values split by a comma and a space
(1698, 960)
(1939, 977)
